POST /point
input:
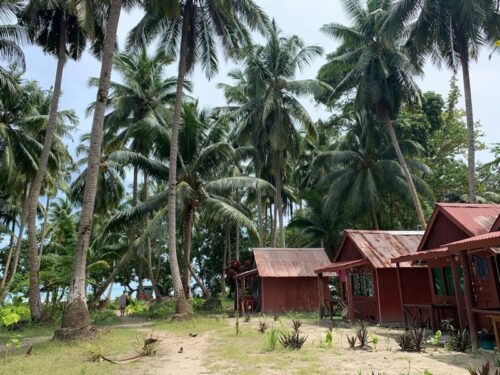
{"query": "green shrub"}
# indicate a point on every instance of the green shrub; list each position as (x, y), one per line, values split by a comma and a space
(161, 310)
(137, 307)
(272, 337)
(13, 314)
(103, 317)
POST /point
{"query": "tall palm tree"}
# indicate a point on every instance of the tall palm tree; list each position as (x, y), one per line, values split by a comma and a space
(54, 26)
(191, 30)
(379, 70)
(271, 72)
(205, 158)
(11, 36)
(452, 32)
(76, 316)
(362, 170)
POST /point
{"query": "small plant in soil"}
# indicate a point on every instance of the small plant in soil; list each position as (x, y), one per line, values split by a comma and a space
(263, 326)
(272, 337)
(247, 318)
(405, 342)
(96, 352)
(275, 317)
(352, 341)
(149, 346)
(436, 339)
(484, 370)
(296, 325)
(329, 336)
(375, 342)
(419, 336)
(460, 341)
(237, 325)
(362, 334)
(294, 340)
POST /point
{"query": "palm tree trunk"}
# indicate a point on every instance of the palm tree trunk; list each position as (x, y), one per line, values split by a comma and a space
(9, 254)
(187, 222)
(277, 201)
(409, 180)
(374, 219)
(9, 276)
(259, 206)
(158, 269)
(272, 223)
(76, 314)
(36, 186)
(140, 283)
(471, 145)
(44, 227)
(200, 283)
(182, 307)
(237, 250)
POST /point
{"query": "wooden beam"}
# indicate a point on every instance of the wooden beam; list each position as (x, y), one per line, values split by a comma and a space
(458, 294)
(350, 296)
(469, 300)
(320, 293)
(401, 295)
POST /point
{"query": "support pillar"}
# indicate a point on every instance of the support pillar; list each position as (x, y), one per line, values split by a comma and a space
(350, 296)
(401, 295)
(320, 294)
(458, 293)
(469, 300)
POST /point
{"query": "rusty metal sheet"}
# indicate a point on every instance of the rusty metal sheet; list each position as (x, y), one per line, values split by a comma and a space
(338, 266)
(280, 262)
(379, 247)
(482, 241)
(475, 218)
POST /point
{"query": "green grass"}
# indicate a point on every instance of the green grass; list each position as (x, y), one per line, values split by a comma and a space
(30, 330)
(198, 324)
(53, 357)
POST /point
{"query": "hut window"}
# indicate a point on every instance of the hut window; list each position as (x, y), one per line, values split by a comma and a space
(439, 287)
(450, 286)
(362, 284)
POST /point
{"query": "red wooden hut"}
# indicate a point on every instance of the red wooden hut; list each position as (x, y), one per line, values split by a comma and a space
(460, 277)
(280, 280)
(368, 279)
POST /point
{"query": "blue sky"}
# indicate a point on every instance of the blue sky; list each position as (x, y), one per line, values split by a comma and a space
(300, 17)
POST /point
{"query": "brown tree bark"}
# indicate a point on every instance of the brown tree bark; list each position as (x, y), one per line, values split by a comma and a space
(188, 215)
(76, 314)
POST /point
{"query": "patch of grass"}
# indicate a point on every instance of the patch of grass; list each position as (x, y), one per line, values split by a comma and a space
(29, 330)
(196, 324)
(57, 358)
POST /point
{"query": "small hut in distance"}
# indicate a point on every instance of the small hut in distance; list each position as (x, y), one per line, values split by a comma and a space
(281, 280)
(368, 279)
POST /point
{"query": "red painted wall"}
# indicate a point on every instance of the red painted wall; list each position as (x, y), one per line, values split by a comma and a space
(415, 289)
(443, 231)
(282, 294)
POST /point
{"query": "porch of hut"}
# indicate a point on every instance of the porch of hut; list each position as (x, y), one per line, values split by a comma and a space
(368, 286)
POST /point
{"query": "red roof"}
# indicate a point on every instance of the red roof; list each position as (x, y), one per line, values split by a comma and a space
(422, 255)
(379, 246)
(337, 266)
(477, 242)
(281, 262)
(473, 218)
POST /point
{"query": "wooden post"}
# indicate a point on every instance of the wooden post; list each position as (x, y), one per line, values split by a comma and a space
(350, 299)
(401, 295)
(469, 304)
(236, 296)
(243, 288)
(458, 294)
(320, 293)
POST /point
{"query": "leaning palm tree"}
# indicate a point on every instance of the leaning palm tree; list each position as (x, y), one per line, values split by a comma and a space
(54, 26)
(11, 36)
(379, 69)
(76, 317)
(191, 30)
(452, 32)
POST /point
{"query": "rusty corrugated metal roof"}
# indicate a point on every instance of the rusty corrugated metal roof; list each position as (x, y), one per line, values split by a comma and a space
(287, 262)
(379, 246)
(338, 266)
(477, 242)
(475, 218)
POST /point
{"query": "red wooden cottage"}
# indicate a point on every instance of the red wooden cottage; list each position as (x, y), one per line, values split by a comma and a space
(464, 279)
(280, 280)
(368, 279)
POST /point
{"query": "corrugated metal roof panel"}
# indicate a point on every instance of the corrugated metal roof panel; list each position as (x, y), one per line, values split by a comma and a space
(475, 218)
(477, 242)
(337, 266)
(379, 247)
(285, 262)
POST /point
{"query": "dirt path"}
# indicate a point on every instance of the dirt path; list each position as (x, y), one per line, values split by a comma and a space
(169, 361)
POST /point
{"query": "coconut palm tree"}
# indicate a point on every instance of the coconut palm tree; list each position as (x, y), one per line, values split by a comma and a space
(54, 26)
(205, 158)
(451, 32)
(76, 316)
(11, 36)
(380, 71)
(192, 30)
(271, 71)
(363, 169)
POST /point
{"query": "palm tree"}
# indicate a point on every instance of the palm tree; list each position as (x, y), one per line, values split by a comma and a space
(362, 170)
(205, 158)
(271, 71)
(380, 71)
(11, 35)
(451, 32)
(76, 316)
(190, 29)
(140, 104)
(53, 26)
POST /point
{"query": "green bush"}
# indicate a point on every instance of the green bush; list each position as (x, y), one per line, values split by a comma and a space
(103, 317)
(161, 310)
(13, 314)
(137, 307)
